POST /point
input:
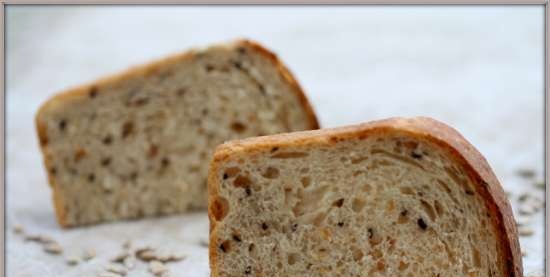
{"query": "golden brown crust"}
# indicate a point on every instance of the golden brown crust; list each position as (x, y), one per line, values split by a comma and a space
(429, 129)
(143, 71)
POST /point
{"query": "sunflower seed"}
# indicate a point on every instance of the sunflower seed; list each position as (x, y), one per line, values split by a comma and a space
(526, 173)
(39, 239)
(146, 254)
(540, 184)
(72, 260)
(109, 274)
(53, 248)
(118, 269)
(18, 229)
(157, 268)
(120, 257)
(525, 232)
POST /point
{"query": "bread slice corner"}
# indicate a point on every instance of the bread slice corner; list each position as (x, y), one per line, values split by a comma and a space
(399, 197)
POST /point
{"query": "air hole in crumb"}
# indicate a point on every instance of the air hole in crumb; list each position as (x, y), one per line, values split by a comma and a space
(225, 246)
(416, 155)
(209, 67)
(164, 162)
(62, 124)
(91, 177)
(237, 237)
(358, 204)
(402, 217)
(338, 203)
(357, 253)
(153, 151)
(340, 224)
(248, 270)
(238, 127)
(402, 266)
(428, 209)
(289, 155)
(292, 258)
(219, 208)
(231, 171)
(105, 161)
(422, 224)
(79, 154)
(107, 139)
(242, 182)
(251, 247)
(274, 149)
(53, 171)
(407, 190)
(93, 92)
(127, 129)
(181, 91)
(264, 226)
(306, 181)
(271, 173)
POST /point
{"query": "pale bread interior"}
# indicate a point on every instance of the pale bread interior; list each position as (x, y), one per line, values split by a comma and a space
(387, 205)
(140, 146)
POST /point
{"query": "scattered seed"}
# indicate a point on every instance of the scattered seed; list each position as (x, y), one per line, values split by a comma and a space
(109, 274)
(525, 232)
(72, 260)
(527, 210)
(157, 268)
(18, 229)
(540, 184)
(88, 254)
(129, 262)
(145, 254)
(120, 257)
(53, 248)
(39, 239)
(523, 197)
(526, 173)
(118, 269)
(203, 243)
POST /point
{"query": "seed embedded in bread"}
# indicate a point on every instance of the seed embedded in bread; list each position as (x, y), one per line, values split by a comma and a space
(138, 144)
(403, 197)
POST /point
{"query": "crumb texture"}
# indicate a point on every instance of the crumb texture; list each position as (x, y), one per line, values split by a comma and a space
(386, 205)
(140, 146)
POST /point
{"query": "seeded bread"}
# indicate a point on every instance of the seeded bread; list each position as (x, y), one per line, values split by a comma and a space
(397, 197)
(138, 144)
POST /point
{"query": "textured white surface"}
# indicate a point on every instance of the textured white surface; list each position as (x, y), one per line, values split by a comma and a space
(479, 69)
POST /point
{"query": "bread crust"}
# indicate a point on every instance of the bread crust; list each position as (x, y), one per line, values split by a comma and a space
(143, 71)
(476, 166)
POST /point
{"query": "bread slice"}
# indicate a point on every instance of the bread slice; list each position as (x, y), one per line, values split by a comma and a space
(397, 197)
(139, 143)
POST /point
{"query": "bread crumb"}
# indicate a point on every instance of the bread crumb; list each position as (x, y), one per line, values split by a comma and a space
(118, 269)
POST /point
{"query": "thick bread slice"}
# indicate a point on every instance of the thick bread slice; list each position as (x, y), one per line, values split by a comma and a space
(139, 143)
(397, 197)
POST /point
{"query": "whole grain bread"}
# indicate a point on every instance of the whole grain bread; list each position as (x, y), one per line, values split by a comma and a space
(397, 197)
(138, 143)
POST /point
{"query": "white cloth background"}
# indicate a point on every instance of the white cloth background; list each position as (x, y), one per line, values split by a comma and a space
(479, 69)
